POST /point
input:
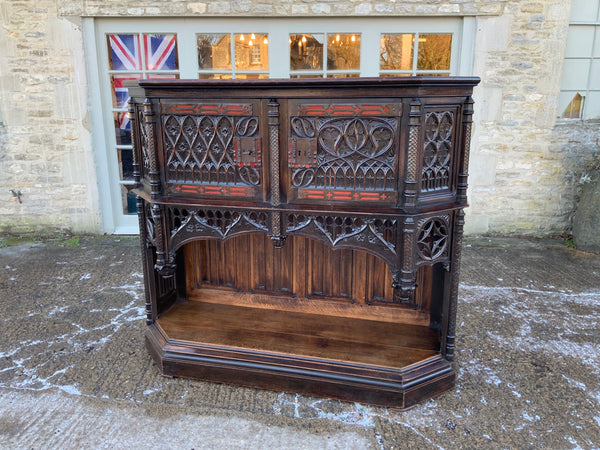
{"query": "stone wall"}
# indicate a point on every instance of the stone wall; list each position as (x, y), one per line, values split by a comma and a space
(47, 151)
(522, 166)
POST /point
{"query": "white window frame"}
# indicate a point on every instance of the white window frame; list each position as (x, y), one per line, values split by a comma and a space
(582, 17)
(278, 31)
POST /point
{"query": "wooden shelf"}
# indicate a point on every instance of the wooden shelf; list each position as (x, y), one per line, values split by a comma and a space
(371, 361)
(328, 337)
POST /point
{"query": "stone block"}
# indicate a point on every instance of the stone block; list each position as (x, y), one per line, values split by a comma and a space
(586, 221)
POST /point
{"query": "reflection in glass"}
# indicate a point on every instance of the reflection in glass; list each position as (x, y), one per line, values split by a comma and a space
(214, 51)
(343, 75)
(343, 52)
(120, 94)
(160, 51)
(251, 51)
(125, 52)
(126, 164)
(214, 76)
(434, 52)
(306, 51)
(122, 128)
(252, 76)
(128, 199)
(574, 108)
(396, 52)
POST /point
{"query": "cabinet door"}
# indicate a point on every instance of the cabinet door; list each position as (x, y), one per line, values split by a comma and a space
(343, 150)
(213, 149)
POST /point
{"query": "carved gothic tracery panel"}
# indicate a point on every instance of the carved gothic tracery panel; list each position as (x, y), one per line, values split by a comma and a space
(211, 222)
(432, 238)
(438, 149)
(343, 158)
(213, 148)
(375, 234)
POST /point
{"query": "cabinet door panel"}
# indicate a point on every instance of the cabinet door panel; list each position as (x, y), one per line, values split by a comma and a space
(213, 149)
(343, 150)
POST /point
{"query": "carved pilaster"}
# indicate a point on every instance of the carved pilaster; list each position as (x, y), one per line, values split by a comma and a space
(276, 230)
(405, 278)
(134, 141)
(463, 171)
(459, 222)
(414, 132)
(149, 290)
(164, 260)
(154, 175)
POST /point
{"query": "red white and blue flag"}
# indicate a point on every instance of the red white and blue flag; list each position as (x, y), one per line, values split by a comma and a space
(125, 52)
(160, 51)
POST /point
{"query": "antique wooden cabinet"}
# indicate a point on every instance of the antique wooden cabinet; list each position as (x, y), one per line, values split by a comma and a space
(304, 235)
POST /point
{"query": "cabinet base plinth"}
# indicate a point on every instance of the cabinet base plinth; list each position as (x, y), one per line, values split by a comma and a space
(400, 384)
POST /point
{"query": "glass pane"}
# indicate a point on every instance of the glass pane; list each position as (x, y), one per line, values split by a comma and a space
(579, 41)
(129, 199)
(122, 128)
(592, 107)
(251, 51)
(308, 75)
(214, 76)
(306, 51)
(435, 74)
(584, 10)
(597, 43)
(160, 51)
(434, 51)
(163, 76)
(214, 51)
(120, 94)
(126, 164)
(343, 75)
(575, 74)
(124, 52)
(570, 105)
(395, 75)
(343, 52)
(396, 52)
(252, 76)
(595, 75)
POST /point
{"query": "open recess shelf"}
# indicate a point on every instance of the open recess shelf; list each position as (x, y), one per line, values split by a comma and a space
(304, 235)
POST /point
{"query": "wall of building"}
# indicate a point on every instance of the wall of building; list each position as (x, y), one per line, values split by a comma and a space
(524, 168)
(47, 151)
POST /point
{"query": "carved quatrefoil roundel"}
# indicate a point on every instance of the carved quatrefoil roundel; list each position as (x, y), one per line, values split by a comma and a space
(433, 239)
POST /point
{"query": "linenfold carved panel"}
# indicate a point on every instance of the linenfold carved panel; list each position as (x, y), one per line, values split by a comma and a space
(212, 145)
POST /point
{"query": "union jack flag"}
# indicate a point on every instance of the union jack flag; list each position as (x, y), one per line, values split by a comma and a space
(125, 52)
(160, 51)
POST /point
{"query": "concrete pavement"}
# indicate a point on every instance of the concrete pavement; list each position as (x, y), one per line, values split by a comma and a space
(74, 372)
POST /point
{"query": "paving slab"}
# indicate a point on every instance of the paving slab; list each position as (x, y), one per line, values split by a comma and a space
(74, 372)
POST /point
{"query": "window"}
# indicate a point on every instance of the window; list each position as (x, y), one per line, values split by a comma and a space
(248, 48)
(415, 54)
(218, 52)
(333, 55)
(580, 89)
(134, 56)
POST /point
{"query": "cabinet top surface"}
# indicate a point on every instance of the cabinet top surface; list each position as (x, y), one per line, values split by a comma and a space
(307, 83)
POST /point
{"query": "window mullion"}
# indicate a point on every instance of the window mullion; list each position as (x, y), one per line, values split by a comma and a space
(370, 47)
(187, 53)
